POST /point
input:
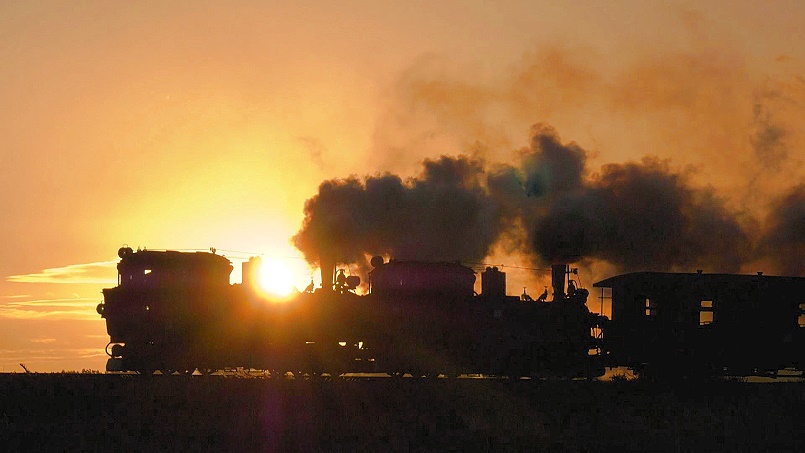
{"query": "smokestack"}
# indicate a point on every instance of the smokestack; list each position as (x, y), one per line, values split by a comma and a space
(327, 265)
(558, 272)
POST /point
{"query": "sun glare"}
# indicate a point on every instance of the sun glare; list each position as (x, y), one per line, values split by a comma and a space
(275, 278)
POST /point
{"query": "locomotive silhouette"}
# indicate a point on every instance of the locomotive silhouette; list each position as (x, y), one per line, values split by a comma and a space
(177, 311)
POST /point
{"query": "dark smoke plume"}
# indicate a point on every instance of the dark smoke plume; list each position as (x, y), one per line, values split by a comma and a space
(635, 216)
(552, 168)
(768, 138)
(443, 214)
(784, 241)
(641, 216)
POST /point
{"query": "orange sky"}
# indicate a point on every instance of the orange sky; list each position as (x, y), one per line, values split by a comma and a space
(208, 124)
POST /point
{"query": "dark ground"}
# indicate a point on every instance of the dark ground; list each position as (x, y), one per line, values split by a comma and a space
(99, 412)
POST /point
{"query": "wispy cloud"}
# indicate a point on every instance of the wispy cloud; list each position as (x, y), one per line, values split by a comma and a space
(101, 272)
(76, 308)
(95, 337)
(75, 302)
(11, 312)
(16, 355)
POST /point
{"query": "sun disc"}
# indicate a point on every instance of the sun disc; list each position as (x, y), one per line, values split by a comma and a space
(275, 278)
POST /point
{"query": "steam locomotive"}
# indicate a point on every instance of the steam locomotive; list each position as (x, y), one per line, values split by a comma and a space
(177, 311)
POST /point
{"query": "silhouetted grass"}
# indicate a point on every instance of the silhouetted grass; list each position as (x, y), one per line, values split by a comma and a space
(94, 412)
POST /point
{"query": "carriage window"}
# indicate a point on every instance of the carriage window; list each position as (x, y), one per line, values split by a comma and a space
(651, 307)
(706, 312)
(801, 318)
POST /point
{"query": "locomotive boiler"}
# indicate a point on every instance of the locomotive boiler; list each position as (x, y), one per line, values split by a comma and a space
(177, 311)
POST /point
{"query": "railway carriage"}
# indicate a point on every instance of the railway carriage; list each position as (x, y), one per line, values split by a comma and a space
(700, 323)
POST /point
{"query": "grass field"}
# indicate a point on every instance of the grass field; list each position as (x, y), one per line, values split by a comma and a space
(98, 412)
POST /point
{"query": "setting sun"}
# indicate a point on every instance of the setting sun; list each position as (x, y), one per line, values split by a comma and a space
(275, 278)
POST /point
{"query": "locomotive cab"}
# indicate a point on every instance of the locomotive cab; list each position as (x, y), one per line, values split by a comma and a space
(161, 299)
(152, 269)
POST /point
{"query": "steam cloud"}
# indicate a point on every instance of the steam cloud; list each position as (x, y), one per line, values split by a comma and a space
(443, 214)
(784, 240)
(636, 216)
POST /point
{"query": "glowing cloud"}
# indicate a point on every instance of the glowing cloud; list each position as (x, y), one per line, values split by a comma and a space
(80, 302)
(100, 272)
(17, 313)
(76, 308)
